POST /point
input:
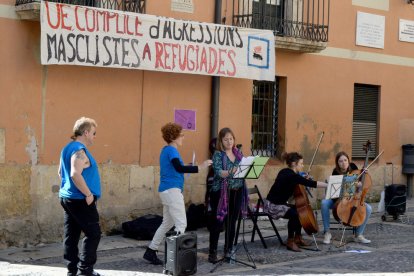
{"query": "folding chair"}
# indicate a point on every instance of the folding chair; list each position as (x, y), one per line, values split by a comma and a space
(254, 216)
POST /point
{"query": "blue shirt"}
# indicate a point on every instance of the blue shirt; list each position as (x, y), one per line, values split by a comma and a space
(68, 188)
(169, 177)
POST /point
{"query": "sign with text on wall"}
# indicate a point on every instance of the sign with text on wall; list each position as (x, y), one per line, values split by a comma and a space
(88, 36)
(406, 30)
(370, 30)
(185, 118)
(182, 6)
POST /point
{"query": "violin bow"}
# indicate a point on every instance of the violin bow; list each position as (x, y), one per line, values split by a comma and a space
(316, 150)
(311, 163)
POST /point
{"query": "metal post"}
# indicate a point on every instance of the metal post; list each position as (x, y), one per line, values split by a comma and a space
(215, 85)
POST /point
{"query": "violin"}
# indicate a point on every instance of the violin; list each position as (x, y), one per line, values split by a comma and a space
(351, 209)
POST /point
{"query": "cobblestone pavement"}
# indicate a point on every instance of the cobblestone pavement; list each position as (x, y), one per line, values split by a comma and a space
(390, 253)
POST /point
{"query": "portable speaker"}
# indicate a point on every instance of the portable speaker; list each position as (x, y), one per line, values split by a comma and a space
(181, 254)
(395, 199)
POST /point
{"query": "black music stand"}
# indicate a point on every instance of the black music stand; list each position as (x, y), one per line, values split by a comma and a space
(249, 168)
(339, 187)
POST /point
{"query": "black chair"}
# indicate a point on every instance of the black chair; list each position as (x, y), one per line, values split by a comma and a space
(254, 215)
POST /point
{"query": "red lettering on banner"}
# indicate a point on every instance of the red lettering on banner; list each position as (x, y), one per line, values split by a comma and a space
(166, 56)
(137, 26)
(190, 62)
(182, 60)
(48, 17)
(231, 54)
(101, 15)
(174, 48)
(146, 51)
(118, 30)
(158, 55)
(110, 15)
(221, 61)
(193, 58)
(197, 49)
(126, 20)
(64, 16)
(90, 29)
(203, 60)
(212, 64)
(77, 19)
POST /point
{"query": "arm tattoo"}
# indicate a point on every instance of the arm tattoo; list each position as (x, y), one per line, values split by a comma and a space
(80, 155)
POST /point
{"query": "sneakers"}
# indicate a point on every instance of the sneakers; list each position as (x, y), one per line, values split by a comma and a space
(327, 238)
(361, 239)
(151, 256)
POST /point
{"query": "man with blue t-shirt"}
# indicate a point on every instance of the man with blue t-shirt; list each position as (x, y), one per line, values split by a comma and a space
(80, 189)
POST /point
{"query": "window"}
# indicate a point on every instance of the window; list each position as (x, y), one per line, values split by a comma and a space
(265, 140)
(365, 119)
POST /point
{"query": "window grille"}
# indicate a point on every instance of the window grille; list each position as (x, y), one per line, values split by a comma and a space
(365, 119)
(265, 118)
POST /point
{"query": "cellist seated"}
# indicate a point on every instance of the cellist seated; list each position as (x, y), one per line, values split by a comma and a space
(342, 167)
(283, 188)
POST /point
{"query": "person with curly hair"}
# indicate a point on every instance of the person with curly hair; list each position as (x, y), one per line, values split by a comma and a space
(171, 186)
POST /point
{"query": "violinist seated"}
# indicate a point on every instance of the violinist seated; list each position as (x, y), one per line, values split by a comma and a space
(283, 188)
(342, 167)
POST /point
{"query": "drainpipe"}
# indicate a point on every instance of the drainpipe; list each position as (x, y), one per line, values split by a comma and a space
(215, 86)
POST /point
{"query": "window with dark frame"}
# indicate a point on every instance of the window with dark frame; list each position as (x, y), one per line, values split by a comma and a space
(365, 119)
(265, 118)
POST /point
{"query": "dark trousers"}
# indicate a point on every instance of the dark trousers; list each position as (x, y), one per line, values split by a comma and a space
(214, 226)
(235, 199)
(79, 217)
(294, 226)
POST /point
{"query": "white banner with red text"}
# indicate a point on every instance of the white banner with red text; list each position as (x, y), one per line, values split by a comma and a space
(89, 36)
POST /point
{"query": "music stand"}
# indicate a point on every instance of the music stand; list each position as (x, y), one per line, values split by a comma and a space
(340, 186)
(249, 168)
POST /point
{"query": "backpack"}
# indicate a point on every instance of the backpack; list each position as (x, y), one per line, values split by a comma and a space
(142, 228)
(196, 217)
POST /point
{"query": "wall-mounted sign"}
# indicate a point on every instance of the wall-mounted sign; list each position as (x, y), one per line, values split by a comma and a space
(185, 118)
(406, 30)
(88, 36)
(370, 30)
(182, 6)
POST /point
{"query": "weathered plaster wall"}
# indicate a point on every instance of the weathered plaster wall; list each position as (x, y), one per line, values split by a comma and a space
(31, 212)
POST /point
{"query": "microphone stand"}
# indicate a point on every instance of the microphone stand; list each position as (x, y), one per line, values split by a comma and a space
(232, 257)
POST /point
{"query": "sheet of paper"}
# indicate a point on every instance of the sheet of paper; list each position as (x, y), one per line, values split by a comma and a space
(259, 163)
(358, 251)
(193, 158)
(244, 167)
(334, 187)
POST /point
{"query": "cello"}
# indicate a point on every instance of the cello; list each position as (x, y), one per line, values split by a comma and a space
(351, 209)
(303, 207)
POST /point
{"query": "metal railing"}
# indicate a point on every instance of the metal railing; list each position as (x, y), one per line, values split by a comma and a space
(306, 19)
(137, 6)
